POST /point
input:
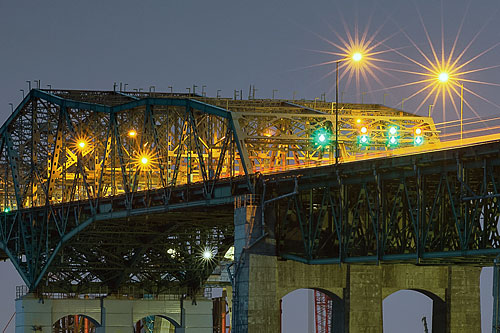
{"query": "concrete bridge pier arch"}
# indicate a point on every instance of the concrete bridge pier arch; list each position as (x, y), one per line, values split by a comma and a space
(262, 280)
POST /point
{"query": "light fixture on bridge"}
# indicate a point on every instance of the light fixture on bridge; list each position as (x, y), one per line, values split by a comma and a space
(357, 56)
(82, 144)
(6, 210)
(207, 254)
(418, 136)
(132, 133)
(322, 137)
(145, 160)
(393, 137)
(364, 135)
(443, 77)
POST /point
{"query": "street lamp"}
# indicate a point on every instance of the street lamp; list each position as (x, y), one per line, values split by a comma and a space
(461, 112)
(443, 77)
(356, 57)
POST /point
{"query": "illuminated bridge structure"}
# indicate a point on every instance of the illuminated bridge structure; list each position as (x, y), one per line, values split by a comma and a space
(128, 190)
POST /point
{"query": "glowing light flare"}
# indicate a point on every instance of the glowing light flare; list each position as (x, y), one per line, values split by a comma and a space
(443, 77)
(357, 56)
(364, 130)
(393, 130)
(82, 144)
(418, 131)
(145, 160)
(207, 254)
(321, 137)
(442, 73)
(132, 133)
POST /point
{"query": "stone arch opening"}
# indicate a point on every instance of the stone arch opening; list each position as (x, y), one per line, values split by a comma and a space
(75, 324)
(156, 323)
(312, 310)
(410, 307)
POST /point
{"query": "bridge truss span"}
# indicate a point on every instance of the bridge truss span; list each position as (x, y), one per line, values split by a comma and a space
(434, 208)
(120, 188)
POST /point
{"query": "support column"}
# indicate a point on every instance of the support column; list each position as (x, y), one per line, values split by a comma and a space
(121, 314)
(496, 297)
(263, 303)
(463, 299)
(364, 301)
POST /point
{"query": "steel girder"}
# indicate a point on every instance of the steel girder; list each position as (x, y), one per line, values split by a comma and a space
(432, 208)
(85, 201)
(279, 135)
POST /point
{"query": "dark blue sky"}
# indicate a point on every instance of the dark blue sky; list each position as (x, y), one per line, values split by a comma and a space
(229, 45)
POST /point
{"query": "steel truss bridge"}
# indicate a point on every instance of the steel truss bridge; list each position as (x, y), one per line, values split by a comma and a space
(127, 190)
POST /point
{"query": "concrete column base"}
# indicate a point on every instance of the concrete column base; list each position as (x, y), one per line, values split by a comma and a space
(113, 314)
(361, 290)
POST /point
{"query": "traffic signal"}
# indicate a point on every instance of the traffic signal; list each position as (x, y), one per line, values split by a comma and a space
(393, 136)
(364, 136)
(322, 137)
(418, 136)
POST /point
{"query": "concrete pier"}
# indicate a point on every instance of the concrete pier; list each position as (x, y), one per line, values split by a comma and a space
(262, 280)
(113, 315)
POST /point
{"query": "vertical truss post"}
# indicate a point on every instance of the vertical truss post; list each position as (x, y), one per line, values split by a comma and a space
(496, 296)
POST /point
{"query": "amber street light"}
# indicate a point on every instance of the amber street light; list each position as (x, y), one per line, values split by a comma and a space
(356, 57)
(443, 77)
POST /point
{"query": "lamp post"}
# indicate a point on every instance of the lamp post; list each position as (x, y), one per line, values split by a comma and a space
(461, 112)
(337, 112)
(444, 77)
(356, 57)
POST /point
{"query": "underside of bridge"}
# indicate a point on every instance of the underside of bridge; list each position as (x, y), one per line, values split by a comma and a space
(140, 191)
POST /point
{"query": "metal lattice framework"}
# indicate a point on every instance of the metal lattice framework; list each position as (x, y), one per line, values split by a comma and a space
(436, 208)
(119, 189)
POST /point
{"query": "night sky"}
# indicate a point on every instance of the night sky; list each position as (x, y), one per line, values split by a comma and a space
(287, 45)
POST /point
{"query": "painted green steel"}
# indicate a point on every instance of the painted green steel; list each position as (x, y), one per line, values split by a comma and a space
(82, 217)
(433, 208)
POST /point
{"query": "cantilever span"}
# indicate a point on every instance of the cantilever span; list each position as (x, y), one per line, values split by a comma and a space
(64, 146)
(129, 188)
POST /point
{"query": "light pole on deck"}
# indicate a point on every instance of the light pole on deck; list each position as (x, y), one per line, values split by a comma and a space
(356, 57)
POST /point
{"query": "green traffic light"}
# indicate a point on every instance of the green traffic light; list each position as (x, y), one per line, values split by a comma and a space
(322, 137)
(363, 140)
(393, 141)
